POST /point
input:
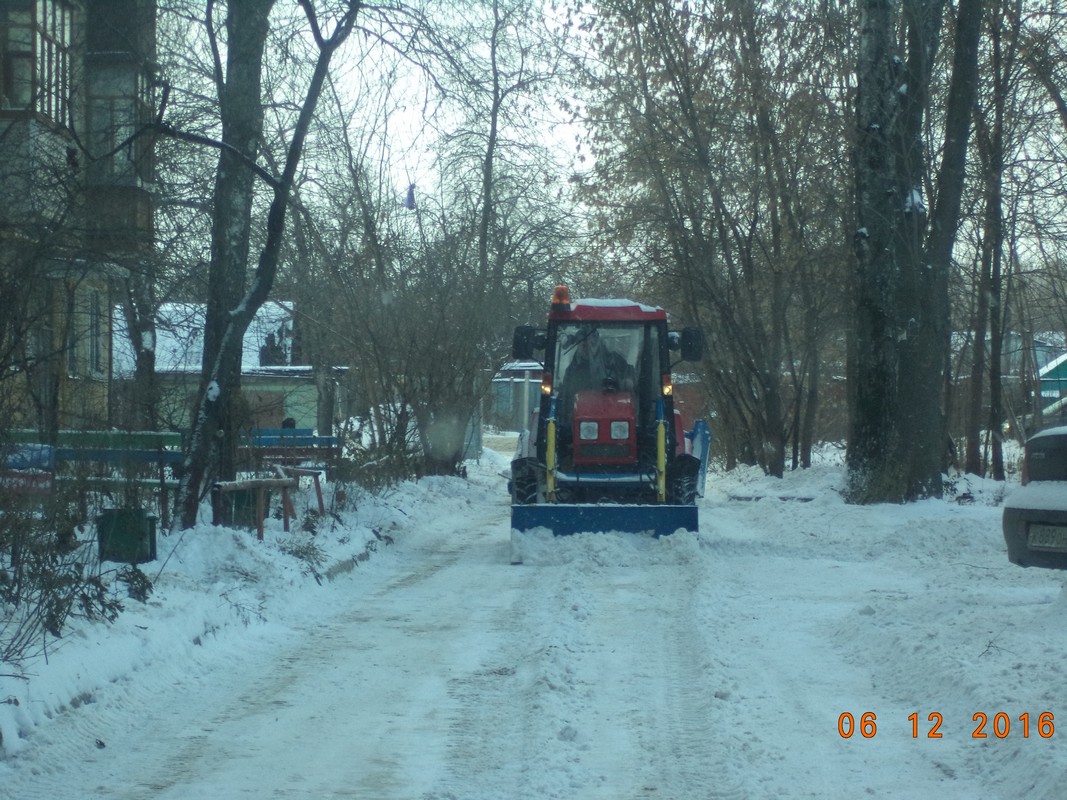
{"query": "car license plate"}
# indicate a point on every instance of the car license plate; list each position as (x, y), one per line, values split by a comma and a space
(1048, 537)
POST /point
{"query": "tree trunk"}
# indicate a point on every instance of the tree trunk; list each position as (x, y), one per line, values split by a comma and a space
(963, 91)
(140, 311)
(993, 239)
(996, 346)
(213, 434)
(872, 352)
(326, 390)
(975, 420)
(897, 449)
(811, 411)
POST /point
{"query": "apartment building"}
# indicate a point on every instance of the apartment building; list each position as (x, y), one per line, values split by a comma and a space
(77, 79)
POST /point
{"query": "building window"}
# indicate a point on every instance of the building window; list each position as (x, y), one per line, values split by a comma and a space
(119, 105)
(16, 58)
(35, 57)
(111, 121)
(52, 35)
(96, 334)
(71, 330)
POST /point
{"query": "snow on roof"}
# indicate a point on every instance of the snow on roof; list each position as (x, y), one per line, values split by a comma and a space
(1059, 430)
(510, 368)
(615, 303)
(180, 337)
(1045, 370)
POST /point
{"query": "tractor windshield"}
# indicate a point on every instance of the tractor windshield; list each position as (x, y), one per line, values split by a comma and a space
(609, 356)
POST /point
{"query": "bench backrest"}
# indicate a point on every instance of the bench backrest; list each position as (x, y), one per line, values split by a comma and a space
(19, 451)
(288, 437)
(110, 440)
(28, 456)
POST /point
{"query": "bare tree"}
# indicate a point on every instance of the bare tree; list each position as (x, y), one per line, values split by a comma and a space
(717, 135)
(428, 277)
(991, 132)
(232, 304)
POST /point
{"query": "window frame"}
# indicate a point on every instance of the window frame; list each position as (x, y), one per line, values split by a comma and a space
(71, 333)
(37, 66)
(96, 334)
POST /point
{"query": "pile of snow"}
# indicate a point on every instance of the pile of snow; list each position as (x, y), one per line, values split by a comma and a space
(210, 584)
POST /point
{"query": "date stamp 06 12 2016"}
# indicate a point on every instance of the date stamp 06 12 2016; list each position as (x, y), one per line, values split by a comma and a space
(998, 725)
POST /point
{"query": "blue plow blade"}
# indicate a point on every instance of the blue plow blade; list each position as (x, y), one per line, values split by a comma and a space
(565, 519)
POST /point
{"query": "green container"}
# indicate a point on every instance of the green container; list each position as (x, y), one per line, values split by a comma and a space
(127, 535)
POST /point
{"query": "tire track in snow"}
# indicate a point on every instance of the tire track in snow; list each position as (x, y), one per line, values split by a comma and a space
(376, 712)
(599, 688)
(127, 728)
(373, 712)
(695, 763)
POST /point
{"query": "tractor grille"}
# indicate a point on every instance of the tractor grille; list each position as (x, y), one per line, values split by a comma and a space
(605, 451)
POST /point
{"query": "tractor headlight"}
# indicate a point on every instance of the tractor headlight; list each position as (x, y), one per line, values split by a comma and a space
(588, 431)
(620, 429)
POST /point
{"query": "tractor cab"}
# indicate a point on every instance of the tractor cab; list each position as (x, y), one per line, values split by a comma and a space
(605, 376)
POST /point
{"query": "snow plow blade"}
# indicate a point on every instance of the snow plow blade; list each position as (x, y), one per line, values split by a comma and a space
(565, 519)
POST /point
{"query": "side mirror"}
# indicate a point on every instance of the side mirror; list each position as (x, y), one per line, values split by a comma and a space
(525, 341)
(692, 344)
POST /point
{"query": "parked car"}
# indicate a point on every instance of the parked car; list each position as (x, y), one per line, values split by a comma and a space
(1035, 514)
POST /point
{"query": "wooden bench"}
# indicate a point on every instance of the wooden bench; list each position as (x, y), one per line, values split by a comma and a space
(27, 469)
(261, 487)
(105, 461)
(285, 478)
(293, 447)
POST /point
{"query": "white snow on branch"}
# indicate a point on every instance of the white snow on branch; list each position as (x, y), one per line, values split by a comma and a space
(913, 203)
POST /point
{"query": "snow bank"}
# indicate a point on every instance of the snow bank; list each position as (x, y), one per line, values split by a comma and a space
(727, 663)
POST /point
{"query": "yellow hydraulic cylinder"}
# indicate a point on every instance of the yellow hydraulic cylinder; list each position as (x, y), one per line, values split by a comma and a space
(550, 457)
(661, 457)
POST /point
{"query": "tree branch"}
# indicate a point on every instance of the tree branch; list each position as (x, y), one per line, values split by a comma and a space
(196, 138)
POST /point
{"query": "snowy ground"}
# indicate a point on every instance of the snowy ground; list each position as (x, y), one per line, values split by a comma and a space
(716, 665)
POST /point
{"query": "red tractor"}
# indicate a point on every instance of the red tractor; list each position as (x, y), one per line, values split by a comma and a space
(605, 448)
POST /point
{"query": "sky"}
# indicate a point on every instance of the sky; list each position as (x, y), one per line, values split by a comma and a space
(794, 647)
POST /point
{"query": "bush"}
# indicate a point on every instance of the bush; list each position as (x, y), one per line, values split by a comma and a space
(379, 468)
(47, 576)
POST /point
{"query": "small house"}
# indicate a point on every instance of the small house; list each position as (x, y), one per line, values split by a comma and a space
(273, 388)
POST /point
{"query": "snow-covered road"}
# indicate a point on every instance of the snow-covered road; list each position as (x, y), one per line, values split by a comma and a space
(709, 666)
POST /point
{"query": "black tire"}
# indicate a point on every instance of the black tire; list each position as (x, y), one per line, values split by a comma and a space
(682, 480)
(524, 488)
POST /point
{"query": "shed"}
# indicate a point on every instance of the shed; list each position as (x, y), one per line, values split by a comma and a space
(516, 391)
(273, 387)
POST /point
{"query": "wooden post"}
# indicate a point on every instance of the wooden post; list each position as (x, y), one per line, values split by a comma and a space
(216, 504)
(287, 507)
(261, 501)
(314, 474)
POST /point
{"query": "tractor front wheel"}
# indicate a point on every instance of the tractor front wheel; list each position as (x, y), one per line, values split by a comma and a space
(524, 483)
(682, 480)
